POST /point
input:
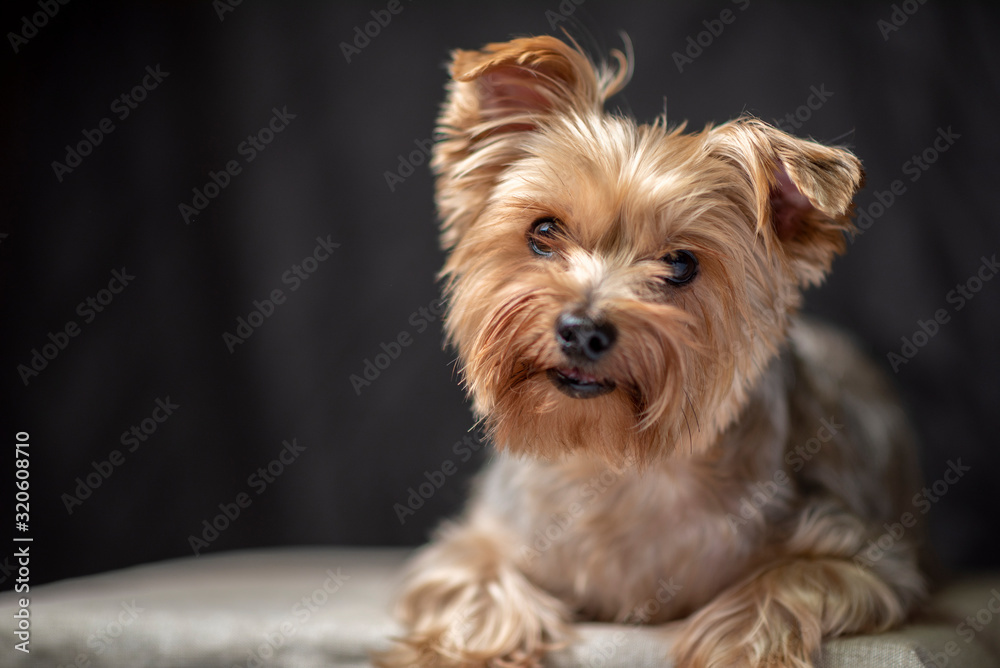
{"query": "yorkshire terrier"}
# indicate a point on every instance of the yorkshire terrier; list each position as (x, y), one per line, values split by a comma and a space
(623, 301)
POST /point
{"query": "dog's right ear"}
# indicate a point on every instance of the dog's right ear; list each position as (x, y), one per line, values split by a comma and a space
(496, 95)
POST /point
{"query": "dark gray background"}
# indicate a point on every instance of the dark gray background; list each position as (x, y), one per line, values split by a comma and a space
(325, 175)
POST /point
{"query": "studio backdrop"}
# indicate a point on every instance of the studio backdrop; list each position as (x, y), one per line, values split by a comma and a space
(218, 252)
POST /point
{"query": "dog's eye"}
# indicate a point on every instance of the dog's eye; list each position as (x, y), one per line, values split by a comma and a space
(683, 266)
(541, 235)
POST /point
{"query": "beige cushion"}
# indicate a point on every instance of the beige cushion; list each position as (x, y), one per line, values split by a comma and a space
(312, 607)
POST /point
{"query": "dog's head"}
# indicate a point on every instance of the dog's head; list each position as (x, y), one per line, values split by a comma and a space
(613, 287)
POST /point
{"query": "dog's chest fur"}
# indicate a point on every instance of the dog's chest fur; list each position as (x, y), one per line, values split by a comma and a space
(618, 544)
(605, 540)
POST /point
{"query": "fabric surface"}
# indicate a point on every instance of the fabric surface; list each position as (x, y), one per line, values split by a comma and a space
(318, 607)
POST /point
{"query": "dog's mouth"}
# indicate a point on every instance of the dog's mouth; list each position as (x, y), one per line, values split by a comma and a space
(578, 384)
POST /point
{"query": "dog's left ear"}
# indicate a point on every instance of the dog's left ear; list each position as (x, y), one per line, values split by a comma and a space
(497, 97)
(803, 191)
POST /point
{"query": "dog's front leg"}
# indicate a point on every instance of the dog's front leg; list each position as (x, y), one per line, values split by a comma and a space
(465, 603)
(820, 588)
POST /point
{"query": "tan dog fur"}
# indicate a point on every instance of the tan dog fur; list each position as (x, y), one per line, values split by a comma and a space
(687, 470)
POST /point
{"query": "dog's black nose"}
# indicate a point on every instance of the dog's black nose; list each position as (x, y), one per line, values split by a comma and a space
(581, 338)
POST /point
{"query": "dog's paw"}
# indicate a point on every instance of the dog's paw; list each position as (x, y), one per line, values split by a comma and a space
(485, 632)
(430, 652)
(482, 634)
(781, 616)
(735, 636)
(465, 604)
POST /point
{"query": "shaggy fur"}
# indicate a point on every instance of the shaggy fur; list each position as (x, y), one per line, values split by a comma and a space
(736, 460)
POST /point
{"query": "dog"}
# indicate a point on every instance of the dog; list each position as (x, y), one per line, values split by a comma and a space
(623, 300)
